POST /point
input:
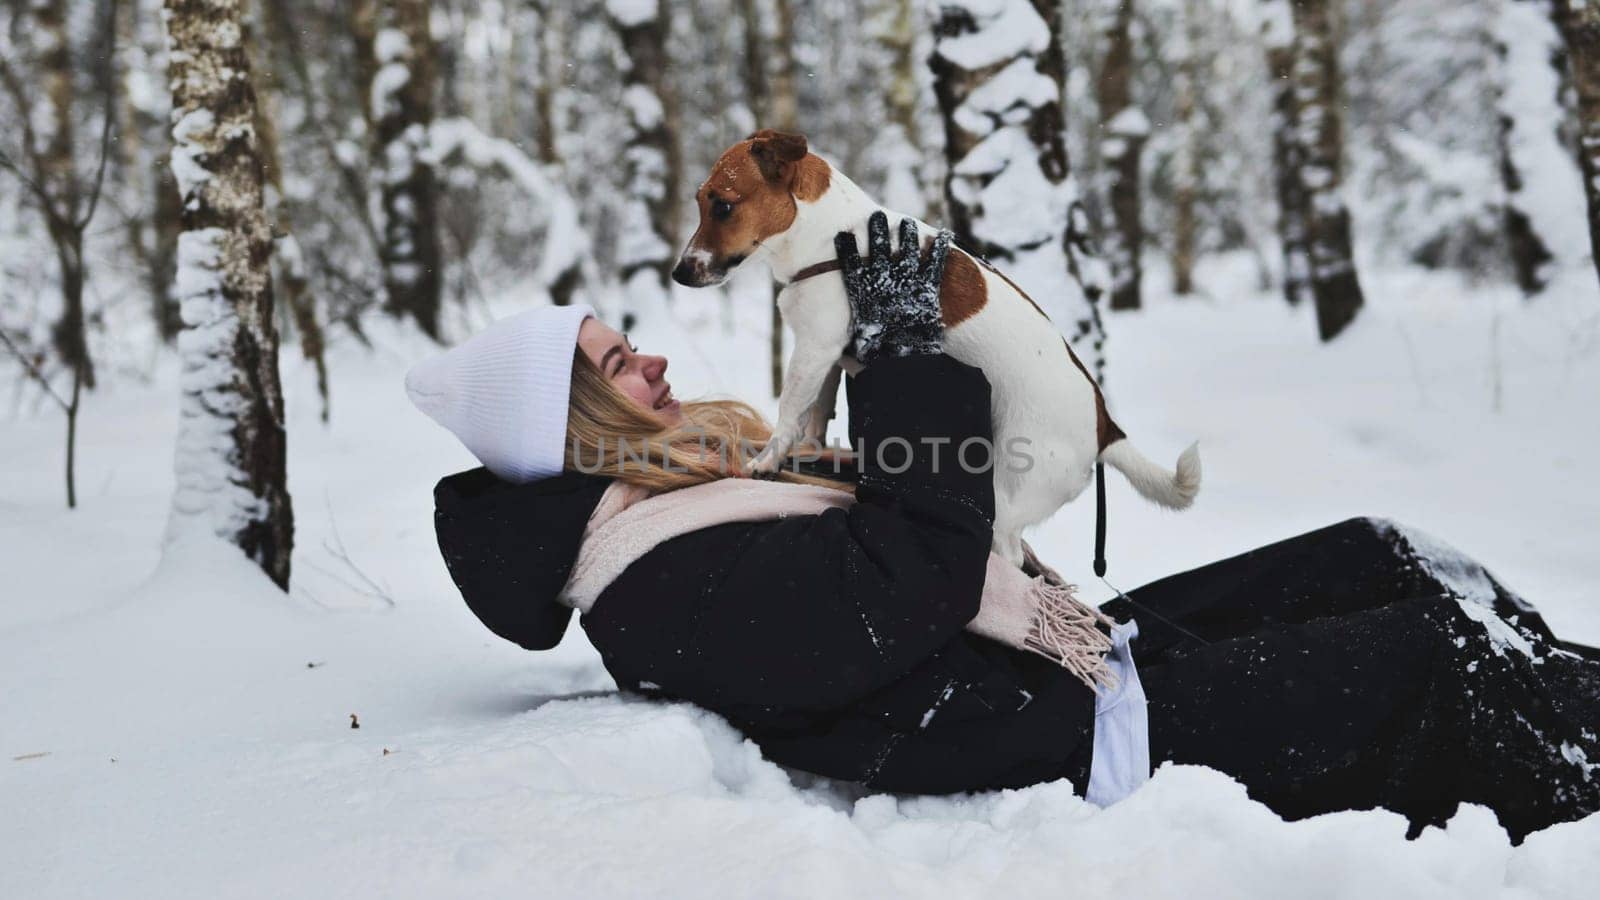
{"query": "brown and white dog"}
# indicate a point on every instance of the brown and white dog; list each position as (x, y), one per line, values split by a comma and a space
(768, 198)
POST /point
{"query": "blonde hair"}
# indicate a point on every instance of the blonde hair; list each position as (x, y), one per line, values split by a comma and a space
(610, 434)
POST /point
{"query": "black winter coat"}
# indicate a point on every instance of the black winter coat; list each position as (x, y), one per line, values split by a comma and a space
(835, 641)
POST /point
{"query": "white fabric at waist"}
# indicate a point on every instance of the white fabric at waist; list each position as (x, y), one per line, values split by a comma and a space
(1121, 759)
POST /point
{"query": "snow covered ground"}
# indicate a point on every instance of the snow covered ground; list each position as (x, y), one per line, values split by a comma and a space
(182, 729)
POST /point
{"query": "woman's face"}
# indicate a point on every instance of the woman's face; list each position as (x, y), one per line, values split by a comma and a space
(635, 374)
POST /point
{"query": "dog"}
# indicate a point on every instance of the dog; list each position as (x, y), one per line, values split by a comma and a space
(769, 198)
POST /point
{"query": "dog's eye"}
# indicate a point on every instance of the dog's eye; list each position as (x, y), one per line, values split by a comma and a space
(720, 209)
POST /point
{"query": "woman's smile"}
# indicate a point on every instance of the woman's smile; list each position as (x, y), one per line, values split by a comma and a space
(641, 376)
(666, 402)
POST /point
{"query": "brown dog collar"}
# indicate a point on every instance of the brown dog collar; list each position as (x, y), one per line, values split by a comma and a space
(833, 265)
(815, 269)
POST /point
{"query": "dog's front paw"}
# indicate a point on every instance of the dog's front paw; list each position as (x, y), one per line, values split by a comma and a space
(766, 463)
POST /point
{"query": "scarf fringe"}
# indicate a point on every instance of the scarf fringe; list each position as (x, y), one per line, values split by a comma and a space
(1064, 631)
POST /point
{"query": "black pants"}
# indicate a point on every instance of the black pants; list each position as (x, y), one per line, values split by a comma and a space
(1341, 669)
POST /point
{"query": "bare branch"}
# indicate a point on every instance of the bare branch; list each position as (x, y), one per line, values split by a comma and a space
(34, 188)
(19, 96)
(336, 549)
(108, 93)
(34, 372)
(349, 180)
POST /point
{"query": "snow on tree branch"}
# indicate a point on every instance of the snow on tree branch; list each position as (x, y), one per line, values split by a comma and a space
(566, 244)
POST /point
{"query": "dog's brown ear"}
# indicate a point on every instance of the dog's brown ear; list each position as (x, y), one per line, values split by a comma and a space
(776, 152)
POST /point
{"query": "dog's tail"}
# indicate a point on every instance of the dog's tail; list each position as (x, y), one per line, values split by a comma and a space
(1174, 490)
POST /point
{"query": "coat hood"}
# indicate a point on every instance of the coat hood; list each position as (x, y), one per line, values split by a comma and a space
(510, 547)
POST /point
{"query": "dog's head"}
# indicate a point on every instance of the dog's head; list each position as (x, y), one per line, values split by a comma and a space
(749, 197)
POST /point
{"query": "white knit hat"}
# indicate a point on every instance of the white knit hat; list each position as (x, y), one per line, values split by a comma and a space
(504, 391)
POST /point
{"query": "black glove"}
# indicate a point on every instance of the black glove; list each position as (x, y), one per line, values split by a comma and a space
(894, 297)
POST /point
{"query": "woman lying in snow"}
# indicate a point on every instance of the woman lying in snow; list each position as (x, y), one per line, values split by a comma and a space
(856, 626)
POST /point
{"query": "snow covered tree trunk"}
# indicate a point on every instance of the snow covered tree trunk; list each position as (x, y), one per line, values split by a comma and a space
(1334, 284)
(1124, 130)
(1278, 35)
(784, 115)
(1580, 27)
(1530, 116)
(1582, 30)
(231, 443)
(754, 61)
(548, 44)
(898, 143)
(562, 270)
(1186, 162)
(758, 94)
(291, 278)
(998, 71)
(785, 99)
(399, 109)
(650, 157)
(153, 233)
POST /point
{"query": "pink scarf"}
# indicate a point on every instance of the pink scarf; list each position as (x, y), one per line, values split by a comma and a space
(1040, 614)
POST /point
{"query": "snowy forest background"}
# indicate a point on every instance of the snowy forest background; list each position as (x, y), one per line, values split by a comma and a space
(1348, 244)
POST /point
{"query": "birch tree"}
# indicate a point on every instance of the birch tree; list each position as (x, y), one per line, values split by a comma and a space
(1318, 130)
(1124, 129)
(1186, 161)
(783, 113)
(291, 278)
(1530, 115)
(753, 60)
(1278, 34)
(315, 84)
(1580, 28)
(650, 158)
(547, 68)
(563, 280)
(396, 47)
(784, 99)
(998, 70)
(231, 443)
(146, 167)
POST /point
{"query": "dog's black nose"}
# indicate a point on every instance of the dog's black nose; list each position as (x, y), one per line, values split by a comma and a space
(684, 274)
